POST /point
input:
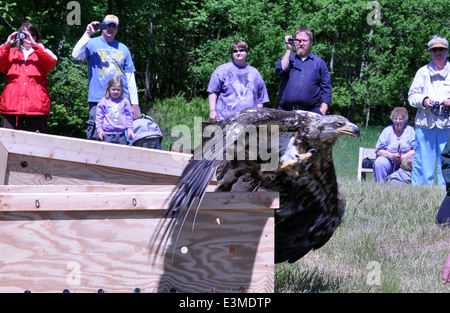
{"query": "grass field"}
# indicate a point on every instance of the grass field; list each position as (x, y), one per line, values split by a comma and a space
(388, 241)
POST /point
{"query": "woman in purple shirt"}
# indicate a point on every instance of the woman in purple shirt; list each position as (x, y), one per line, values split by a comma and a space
(395, 144)
(235, 86)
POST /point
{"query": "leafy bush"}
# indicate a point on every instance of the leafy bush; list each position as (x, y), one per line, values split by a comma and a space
(68, 86)
(169, 113)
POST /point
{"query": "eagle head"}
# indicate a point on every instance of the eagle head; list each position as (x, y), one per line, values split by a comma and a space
(321, 134)
(331, 127)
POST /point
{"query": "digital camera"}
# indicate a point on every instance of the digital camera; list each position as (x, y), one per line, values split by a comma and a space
(101, 26)
(20, 36)
(439, 110)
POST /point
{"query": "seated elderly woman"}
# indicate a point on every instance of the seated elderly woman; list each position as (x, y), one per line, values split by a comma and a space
(395, 144)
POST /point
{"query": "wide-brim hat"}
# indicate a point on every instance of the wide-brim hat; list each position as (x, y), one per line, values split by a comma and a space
(111, 19)
(438, 44)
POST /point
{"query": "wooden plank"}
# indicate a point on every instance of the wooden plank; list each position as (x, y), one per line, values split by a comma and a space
(3, 163)
(87, 188)
(85, 215)
(93, 152)
(107, 201)
(227, 251)
(32, 170)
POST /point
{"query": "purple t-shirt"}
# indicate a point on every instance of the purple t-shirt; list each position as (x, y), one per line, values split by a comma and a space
(237, 88)
(114, 116)
(389, 141)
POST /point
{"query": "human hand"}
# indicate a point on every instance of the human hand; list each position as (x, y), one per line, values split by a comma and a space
(446, 273)
(131, 134)
(12, 39)
(396, 158)
(446, 102)
(324, 108)
(136, 111)
(90, 29)
(286, 41)
(427, 103)
(100, 135)
(213, 116)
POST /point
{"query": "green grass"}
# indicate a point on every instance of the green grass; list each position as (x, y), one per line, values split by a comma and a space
(385, 228)
(388, 241)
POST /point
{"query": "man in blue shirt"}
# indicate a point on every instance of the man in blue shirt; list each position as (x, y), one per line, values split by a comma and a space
(106, 58)
(305, 80)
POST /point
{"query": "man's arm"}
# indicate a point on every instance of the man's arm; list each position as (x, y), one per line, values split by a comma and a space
(133, 93)
(79, 51)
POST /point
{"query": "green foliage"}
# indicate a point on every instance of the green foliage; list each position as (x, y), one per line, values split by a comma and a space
(69, 92)
(176, 45)
(170, 113)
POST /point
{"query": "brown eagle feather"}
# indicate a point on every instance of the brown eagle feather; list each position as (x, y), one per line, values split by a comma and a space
(311, 204)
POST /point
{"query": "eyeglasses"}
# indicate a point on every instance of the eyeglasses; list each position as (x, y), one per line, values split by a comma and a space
(239, 50)
(437, 49)
(295, 40)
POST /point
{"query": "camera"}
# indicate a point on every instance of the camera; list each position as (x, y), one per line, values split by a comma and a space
(293, 40)
(439, 110)
(20, 36)
(101, 26)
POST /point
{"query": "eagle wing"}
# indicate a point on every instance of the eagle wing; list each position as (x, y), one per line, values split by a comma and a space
(296, 162)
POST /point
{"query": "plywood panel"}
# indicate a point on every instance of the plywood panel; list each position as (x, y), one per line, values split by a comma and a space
(32, 170)
(116, 251)
(83, 215)
(93, 152)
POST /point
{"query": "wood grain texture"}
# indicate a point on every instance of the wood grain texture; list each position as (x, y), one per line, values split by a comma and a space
(84, 251)
(93, 152)
(83, 215)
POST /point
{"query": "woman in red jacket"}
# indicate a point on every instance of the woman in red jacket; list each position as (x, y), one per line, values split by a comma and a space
(25, 98)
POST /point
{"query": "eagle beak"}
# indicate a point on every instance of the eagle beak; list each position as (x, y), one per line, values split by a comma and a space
(349, 129)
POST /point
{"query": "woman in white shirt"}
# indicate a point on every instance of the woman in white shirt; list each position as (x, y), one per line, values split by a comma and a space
(430, 93)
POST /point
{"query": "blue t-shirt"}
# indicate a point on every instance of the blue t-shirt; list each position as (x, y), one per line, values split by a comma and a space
(106, 60)
(238, 88)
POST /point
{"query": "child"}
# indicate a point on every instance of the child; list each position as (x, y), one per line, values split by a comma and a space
(114, 117)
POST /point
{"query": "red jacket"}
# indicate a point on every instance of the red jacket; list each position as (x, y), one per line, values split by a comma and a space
(26, 82)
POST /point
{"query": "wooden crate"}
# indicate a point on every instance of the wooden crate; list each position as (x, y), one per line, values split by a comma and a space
(83, 215)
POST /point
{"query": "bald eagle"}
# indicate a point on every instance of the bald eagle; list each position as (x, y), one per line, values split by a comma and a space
(300, 168)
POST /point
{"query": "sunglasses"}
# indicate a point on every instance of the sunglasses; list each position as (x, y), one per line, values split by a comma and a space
(239, 50)
(437, 49)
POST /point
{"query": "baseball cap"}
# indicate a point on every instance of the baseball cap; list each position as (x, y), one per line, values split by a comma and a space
(111, 19)
(438, 42)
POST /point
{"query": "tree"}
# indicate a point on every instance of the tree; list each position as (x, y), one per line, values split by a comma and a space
(176, 45)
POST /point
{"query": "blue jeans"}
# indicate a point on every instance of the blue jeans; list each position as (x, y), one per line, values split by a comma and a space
(427, 154)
